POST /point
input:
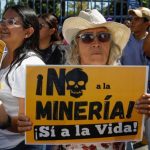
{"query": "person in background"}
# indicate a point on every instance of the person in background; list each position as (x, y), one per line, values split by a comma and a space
(146, 45)
(146, 48)
(19, 29)
(133, 53)
(50, 50)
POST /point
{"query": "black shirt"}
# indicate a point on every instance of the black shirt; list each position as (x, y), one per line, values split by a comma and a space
(53, 55)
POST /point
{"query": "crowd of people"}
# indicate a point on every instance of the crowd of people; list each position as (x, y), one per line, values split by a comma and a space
(89, 39)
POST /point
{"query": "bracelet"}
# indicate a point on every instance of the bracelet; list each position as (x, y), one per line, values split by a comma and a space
(7, 124)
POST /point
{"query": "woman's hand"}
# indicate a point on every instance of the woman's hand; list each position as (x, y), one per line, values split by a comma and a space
(24, 123)
(143, 105)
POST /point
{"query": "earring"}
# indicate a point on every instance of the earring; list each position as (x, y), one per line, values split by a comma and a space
(26, 36)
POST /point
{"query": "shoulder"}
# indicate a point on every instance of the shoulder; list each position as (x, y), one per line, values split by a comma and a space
(131, 39)
(58, 50)
(132, 44)
(57, 56)
(32, 59)
(59, 47)
(19, 69)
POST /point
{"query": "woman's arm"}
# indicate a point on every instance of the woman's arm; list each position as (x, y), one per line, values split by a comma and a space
(6, 121)
(18, 123)
(14, 120)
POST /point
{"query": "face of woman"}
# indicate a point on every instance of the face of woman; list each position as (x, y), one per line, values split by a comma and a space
(44, 30)
(94, 46)
(11, 29)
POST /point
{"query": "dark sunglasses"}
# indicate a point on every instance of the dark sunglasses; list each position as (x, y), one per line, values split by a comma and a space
(90, 37)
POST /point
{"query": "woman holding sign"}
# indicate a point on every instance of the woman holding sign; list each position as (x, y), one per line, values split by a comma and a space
(19, 29)
(93, 41)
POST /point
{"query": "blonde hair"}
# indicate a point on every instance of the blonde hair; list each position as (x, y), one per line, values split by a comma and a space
(73, 57)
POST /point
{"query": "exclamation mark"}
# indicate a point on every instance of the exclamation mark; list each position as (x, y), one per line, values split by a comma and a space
(39, 84)
(35, 134)
(135, 127)
(130, 109)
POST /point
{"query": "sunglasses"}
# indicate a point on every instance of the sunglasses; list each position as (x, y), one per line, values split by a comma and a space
(90, 37)
(42, 25)
(9, 22)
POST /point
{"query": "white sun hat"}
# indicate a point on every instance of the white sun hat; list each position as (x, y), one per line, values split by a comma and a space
(141, 12)
(93, 19)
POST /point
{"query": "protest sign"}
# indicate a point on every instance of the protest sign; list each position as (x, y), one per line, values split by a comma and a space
(2, 48)
(69, 104)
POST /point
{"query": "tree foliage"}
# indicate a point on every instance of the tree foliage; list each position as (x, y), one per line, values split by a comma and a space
(145, 3)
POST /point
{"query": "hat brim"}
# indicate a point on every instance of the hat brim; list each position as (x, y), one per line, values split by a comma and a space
(136, 12)
(142, 12)
(73, 25)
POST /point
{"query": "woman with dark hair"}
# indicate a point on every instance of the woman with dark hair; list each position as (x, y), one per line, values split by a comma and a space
(51, 52)
(19, 29)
